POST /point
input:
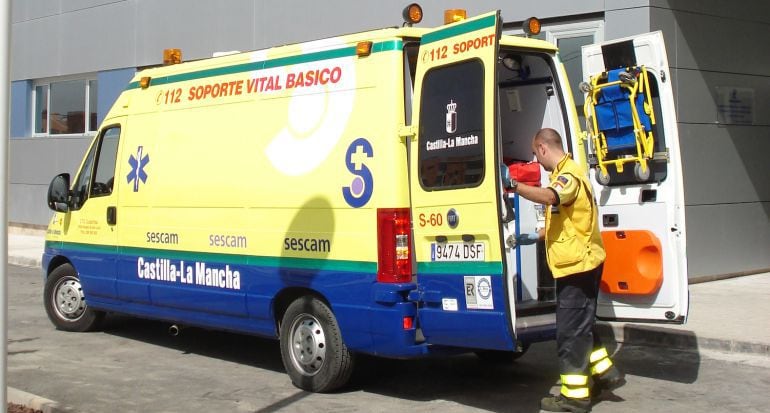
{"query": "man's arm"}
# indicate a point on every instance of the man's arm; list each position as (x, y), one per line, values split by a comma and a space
(545, 196)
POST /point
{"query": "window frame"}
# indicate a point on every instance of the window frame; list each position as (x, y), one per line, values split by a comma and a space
(88, 79)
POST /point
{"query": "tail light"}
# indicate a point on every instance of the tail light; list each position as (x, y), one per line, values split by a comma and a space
(394, 239)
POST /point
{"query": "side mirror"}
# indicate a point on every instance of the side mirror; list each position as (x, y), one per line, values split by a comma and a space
(59, 193)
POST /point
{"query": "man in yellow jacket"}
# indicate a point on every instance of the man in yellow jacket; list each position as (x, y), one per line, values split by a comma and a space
(575, 254)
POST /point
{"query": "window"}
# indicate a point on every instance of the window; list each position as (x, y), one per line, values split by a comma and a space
(105, 164)
(65, 107)
(102, 158)
(451, 136)
(570, 38)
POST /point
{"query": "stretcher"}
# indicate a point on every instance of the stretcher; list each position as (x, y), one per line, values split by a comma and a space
(620, 116)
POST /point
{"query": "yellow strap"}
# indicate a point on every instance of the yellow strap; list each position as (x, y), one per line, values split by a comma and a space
(601, 367)
(574, 379)
(598, 355)
(575, 393)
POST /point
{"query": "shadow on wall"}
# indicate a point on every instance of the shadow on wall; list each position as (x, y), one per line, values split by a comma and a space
(724, 159)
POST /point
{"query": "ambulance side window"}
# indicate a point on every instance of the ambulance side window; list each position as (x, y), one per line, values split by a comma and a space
(104, 152)
(451, 127)
(105, 163)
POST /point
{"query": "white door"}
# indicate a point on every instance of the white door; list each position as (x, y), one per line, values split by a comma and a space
(642, 217)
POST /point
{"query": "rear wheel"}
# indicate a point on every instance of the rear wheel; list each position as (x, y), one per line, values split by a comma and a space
(65, 302)
(313, 353)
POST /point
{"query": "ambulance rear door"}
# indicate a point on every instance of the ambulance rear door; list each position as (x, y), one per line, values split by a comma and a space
(642, 220)
(455, 188)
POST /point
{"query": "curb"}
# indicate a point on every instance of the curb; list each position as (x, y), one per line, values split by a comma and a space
(17, 396)
(24, 261)
(634, 334)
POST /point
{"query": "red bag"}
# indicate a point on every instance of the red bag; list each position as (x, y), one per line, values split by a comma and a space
(525, 172)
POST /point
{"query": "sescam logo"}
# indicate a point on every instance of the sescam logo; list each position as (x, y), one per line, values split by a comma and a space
(137, 168)
(360, 190)
(318, 112)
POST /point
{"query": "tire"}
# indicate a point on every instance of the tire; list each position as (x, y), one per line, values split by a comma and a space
(602, 178)
(66, 304)
(312, 349)
(500, 356)
(641, 176)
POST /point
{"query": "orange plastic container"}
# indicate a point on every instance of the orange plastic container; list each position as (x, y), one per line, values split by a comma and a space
(634, 264)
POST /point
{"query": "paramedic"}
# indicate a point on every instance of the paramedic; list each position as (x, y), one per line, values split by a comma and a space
(575, 256)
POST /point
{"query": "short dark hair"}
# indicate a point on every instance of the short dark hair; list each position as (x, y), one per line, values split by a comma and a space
(549, 137)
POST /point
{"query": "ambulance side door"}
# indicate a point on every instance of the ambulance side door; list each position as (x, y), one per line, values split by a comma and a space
(92, 218)
(455, 188)
(642, 220)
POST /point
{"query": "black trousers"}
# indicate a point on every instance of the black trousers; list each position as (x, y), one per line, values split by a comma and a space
(575, 320)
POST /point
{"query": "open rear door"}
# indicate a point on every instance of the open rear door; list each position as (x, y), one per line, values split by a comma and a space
(455, 188)
(640, 196)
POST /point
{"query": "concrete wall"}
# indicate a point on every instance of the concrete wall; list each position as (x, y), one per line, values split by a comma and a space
(727, 187)
(58, 37)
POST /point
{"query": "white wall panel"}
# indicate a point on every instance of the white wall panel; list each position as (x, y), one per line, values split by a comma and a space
(757, 11)
(77, 5)
(723, 239)
(199, 28)
(725, 165)
(714, 42)
(697, 96)
(35, 48)
(25, 10)
(97, 38)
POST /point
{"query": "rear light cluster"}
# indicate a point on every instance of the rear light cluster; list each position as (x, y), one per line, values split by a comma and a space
(394, 239)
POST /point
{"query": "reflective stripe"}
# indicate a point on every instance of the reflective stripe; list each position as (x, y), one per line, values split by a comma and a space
(598, 355)
(601, 366)
(574, 379)
(576, 393)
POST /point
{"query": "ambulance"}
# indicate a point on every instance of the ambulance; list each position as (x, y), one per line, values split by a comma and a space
(344, 196)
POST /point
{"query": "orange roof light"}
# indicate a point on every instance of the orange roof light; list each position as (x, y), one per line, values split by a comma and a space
(531, 26)
(412, 14)
(454, 15)
(144, 82)
(172, 56)
(363, 49)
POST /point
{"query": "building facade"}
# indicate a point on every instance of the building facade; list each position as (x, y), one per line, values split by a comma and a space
(70, 59)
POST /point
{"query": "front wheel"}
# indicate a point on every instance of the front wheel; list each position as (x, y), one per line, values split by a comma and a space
(313, 353)
(65, 302)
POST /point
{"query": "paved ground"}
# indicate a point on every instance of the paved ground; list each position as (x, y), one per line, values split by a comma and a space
(727, 315)
(135, 366)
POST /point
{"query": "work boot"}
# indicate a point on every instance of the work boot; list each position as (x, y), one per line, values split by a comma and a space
(609, 380)
(565, 404)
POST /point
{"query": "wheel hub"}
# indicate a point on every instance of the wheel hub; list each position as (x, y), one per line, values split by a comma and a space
(69, 300)
(308, 345)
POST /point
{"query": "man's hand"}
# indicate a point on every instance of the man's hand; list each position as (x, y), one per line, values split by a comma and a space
(527, 239)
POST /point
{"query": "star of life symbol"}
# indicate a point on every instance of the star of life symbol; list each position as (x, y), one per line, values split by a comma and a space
(137, 168)
(451, 116)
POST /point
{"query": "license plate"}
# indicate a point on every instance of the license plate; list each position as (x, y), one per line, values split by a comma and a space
(457, 251)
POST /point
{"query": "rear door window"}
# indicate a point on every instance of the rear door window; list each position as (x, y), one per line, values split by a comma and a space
(451, 146)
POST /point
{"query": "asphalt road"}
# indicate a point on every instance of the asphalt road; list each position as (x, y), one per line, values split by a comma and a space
(135, 366)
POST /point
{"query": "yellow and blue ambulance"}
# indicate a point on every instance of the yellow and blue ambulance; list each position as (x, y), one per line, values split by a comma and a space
(344, 196)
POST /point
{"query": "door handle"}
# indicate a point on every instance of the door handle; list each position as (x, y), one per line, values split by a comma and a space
(112, 215)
